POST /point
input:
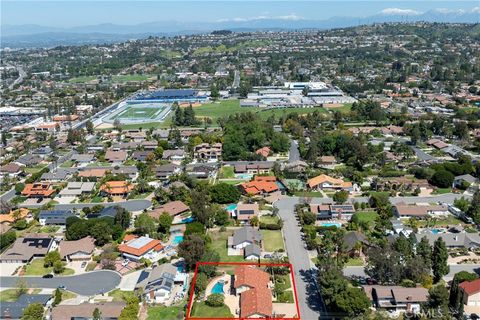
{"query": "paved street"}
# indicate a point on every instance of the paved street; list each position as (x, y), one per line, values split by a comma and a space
(87, 284)
(308, 296)
(130, 205)
(294, 154)
(455, 268)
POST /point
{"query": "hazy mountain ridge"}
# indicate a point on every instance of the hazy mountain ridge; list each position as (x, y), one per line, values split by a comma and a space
(36, 35)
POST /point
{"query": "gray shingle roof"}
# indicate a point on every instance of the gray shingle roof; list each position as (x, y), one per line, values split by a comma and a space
(246, 234)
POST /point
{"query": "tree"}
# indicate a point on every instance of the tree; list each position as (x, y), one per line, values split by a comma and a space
(224, 193)
(340, 197)
(144, 224)
(58, 267)
(352, 301)
(201, 208)
(254, 221)
(33, 311)
(439, 259)
(51, 258)
(57, 297)
(21, 287)
(442, 179)
(438, 298)
(201, 283)
(102, 232)
(215, 300)
(191, 249)
(456, 295)
(89, 127)
(97, 314)
(308, 218)
(164, 223)
(474, 208)
(209, 269)
(424, 251)
(7, 239)
(122, 217)
(221, 217)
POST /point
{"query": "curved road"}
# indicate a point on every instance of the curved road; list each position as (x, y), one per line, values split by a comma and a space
(86, 284)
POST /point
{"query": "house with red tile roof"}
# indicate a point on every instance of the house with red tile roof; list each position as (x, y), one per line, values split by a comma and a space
(38, 190)
(136, 248)
(252, 284)
(323, 181)
(471, 292)
(117, 188)
(260, 185)
(264, 152)
(173, 208)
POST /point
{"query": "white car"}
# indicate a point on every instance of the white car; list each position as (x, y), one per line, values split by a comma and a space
(125, 262)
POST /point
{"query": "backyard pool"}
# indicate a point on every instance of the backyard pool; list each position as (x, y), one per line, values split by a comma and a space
(176, 240)
(437, 231)
(218, 287)
(231, 207)
(187, 220)
(331, 224)
(244, 176)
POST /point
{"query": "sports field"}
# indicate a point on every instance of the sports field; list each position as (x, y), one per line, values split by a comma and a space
(139, 113)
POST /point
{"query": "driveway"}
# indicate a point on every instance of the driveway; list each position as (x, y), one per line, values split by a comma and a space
(309, 299)
(87, 284)
(294, 154)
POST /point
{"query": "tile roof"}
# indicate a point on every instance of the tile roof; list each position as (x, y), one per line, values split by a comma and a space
(258, 299)
(38, 189)
(138, 246)
(172, 208)
(67, 248)
(109, 310)
(260, 184)
(470, 287)
(323, 178)
(117, 187)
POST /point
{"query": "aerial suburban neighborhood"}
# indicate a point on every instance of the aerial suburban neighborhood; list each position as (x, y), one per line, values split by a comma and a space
(261, 172)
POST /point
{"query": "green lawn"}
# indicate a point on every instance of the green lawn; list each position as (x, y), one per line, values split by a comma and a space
(36, 268)
(227, 172)
(11, 295)
(201, 310)
(219, 245)
(225, 108)
(131, 77)
(137, 112)
(367, 216)
(448, 221)
(34, 169)
(308, 194)
(285, 297)
(269, 219)
(82, 79)
(231, 182)
(356, 262)
(442, 190)
(272, 240)
(119, 295)
(343, 109)
(146, 125)
(164, 313)
(67, 164)
(66, 295)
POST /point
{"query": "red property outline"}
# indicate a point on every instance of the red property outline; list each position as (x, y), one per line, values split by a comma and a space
(192, 287)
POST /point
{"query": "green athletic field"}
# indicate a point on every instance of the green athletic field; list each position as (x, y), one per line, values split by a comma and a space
(139, 113)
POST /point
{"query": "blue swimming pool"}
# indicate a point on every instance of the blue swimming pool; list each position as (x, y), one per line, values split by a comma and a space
(231, 207)
(244, 176)
(188, 220)
(436, 231)
(218, 287)
(176, 240)
(331, 224)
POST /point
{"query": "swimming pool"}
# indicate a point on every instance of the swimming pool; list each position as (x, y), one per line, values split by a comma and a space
(231, 207)
(188, 220)
(176, 240)
(331, 224)
(218, 287)
(244, 176)
(437, 231)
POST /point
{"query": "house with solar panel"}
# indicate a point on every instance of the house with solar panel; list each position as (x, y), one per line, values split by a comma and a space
(162, 284)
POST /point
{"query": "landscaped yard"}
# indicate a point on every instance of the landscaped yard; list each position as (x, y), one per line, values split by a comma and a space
(11, 295)
(272, 240)
(164, 313)
(442, 190)
(67, 164)
(34, 169)
(308, 194)
(366, 216)
(201, 310)
(219, 244)
(36, 268)
(227, 172)
(119, 295)
(448, 221)
(269, 219)
(354, 262)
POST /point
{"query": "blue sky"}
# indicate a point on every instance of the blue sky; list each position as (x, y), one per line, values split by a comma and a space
(69, 13)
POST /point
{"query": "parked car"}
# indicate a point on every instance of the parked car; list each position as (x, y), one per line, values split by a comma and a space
(125, 262)
(47, 276)
(83, 265)
(62, 287)
(267, 256)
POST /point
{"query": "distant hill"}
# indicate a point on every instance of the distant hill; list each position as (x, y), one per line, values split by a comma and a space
(44, 36)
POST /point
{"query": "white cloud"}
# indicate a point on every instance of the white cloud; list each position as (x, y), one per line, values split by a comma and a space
(476, 10)
(289, 17)
(398, 11)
